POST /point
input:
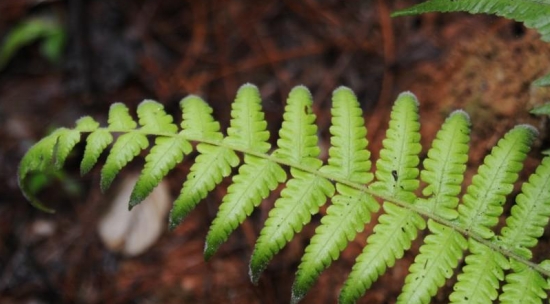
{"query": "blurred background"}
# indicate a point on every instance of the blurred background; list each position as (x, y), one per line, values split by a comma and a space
(60, 60)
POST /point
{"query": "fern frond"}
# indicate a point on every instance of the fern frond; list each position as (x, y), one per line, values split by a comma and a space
(345, 180)
(124, 150)
(530, 214)
(154, 119)
(523, 228)
(523, 285)
(198, 122)
(349, 158)
(47, 155)
(445, 166)
(119, 118)
(533, 13)
(443, 173)
(165, 155)
(350, 209)
(480, 278)
(304, 193)
(247, 129)
(397, 167)
(297, 141)
(211, 165)
(96, 143)
(256, 178)
(485, 196)
(480, 211)
(396, 175)
(439, 255)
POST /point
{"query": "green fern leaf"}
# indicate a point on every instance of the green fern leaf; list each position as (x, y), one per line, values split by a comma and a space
(154, 119)
(444, 168)
(530, 213)
(480, 211)
(120, 119)
(439, 255)
(211, 165)
(392, 236)
(248, 126)
(256, 178)
(197, 120)
(96, 143)
(485, 196)
(297, 141)
(167, 153)
(526, 224)
(126, 148)
(349, 157)
(397, 178)
(351, 209)
(304, 193)
(301, 198)
(397, 167)
(47, 155)
(86, 124)
(443, 174)
(534, 13)
(480, 278)
(523, 285)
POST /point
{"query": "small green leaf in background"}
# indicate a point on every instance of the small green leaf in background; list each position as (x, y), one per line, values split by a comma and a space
(541, 110)
(49, 30)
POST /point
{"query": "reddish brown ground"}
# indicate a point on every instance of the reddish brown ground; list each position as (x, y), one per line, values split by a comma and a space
(130, 50)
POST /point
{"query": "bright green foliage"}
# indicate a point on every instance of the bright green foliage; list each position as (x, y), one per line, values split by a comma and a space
(120, 119)
(530, 213)
(49, 30)
(542, 109)
(96, 143)
(396, 176)
(248, 126)
(523, 285)
(482, 206)
(46, 156)
(167, 152)
(397, 167)
(256, 178)
(443, 173)
(350, 209)
(533, 13)
(153, 119)
(480, 278)
(495, 179)
(304, 193)
(439, 256)
(212, 164)
(526, 224)
(444, 168)
(197, 119)
(346, 180)
(298, 135)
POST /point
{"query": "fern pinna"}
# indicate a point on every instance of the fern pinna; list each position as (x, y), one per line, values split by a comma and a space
(497, 264)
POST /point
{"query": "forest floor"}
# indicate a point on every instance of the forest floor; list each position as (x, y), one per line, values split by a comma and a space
(127, 51)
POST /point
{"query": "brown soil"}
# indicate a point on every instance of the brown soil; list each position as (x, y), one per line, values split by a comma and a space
(131, 50)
